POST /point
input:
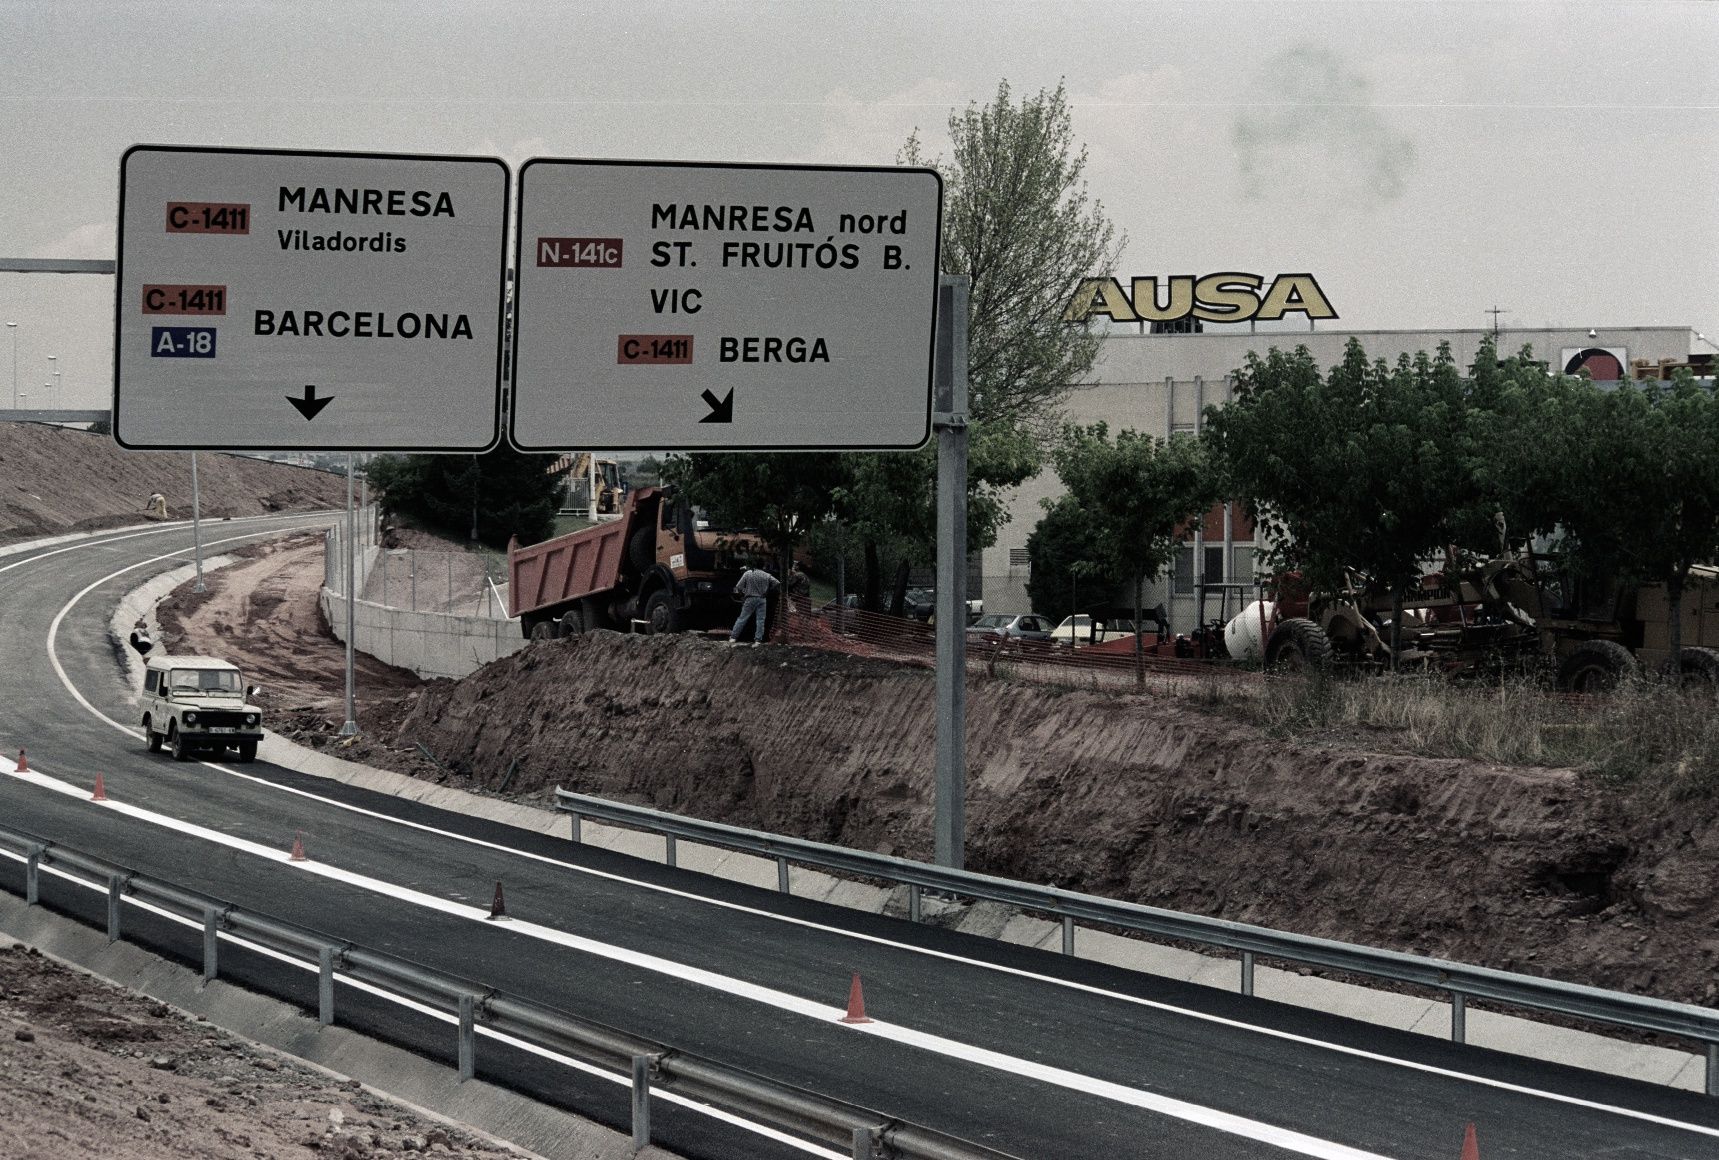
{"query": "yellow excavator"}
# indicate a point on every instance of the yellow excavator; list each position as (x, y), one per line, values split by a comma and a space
(600, 479)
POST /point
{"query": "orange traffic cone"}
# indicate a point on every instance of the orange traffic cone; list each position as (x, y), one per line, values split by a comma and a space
(100, 794)
(856, 1003)
(297, 854)
(1470, 1145)
(23, 762)
(498, 908)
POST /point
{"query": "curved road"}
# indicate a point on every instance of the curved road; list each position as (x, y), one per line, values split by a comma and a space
(1023, 1050)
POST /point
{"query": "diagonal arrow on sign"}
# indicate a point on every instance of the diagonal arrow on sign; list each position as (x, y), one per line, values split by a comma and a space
(310, 404)
(721, 410)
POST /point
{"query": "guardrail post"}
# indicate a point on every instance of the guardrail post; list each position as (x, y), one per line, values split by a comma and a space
(576, 835)
(33, 876)
(864, 1141)
(1247, 973)
(782, 874)
(668, 849)
(1067, 934)
(641, 1101)
(1458, 1017)
(468, 1018)
(1713, 1069)
(114, 885)
(325, 986)
(913, 902)
(211, 943)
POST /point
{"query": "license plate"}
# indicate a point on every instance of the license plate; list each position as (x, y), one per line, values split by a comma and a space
(223, 729)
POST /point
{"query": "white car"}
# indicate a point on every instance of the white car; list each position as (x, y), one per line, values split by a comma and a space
(1081, 629)
(1010, 626)
(193, 704)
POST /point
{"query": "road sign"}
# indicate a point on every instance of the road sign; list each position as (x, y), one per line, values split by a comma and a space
(677, 306)
(288, 300)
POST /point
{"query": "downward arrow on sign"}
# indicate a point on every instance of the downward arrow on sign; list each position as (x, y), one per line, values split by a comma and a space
(721, 410)
(310, 404)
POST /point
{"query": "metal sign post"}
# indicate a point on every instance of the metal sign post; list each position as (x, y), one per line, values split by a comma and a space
(949, 418)
(351, 726)
(197, 524)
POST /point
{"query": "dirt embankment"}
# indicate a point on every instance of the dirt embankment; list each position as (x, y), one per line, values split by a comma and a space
(55, 480)
(1138, 797)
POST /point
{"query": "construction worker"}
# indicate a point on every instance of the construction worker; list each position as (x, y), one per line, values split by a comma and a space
(157, 503)
(140, 639)
(753, 589)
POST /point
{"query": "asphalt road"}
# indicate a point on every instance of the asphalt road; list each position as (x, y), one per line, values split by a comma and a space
(1026, 1051)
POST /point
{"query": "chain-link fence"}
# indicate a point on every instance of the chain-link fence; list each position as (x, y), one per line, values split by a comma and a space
(448, 581)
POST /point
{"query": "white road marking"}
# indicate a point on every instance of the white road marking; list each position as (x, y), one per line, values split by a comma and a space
(1226, 1122)
(1285, 1036)
(449, 1017)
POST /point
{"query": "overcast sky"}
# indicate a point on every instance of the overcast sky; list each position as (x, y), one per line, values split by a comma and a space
(1424, 160)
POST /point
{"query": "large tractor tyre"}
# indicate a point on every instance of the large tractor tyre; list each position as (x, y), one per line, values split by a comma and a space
(545, 630)
(572, 622)
(247, 751)
(151, 737)
(1699, 667)
(1298, 645)
(1596, 666)
(642, 549)
(176, 739)
(661, 614)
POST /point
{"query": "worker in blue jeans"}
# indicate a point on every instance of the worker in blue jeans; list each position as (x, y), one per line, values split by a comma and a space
(753, 588)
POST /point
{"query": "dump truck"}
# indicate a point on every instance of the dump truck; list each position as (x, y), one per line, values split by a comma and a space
(657, 568)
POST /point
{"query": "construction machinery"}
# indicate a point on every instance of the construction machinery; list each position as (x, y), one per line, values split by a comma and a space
(600, 479)
(656, 567)
(1501, 614)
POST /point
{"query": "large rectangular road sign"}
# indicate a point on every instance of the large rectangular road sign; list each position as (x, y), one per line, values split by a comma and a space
(679, 306)
(286, 300)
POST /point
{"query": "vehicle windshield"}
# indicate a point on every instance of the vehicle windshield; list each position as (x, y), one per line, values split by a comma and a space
(205, 681)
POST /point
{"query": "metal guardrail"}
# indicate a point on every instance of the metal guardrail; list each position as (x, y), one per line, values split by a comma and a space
(647, 1066)
(1460, 981)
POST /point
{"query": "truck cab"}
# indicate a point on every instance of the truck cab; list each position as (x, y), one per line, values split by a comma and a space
(198, 704)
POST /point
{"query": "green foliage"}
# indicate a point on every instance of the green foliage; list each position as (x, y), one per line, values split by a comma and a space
(780, 494)
(1066, 575)
(1018, 221)
(1137, 493)
(502, 493)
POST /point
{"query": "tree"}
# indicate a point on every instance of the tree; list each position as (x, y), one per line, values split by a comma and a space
(1369, 467)
(780, 494)
(1139, 494)
(493, 497)
(1066, 561)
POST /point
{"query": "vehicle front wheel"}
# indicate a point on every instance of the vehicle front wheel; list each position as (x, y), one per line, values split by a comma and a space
(176, 739)
(247, 751)
(661, 614)
(1596, 666)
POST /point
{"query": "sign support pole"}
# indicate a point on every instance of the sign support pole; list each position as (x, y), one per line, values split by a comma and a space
(197, 524)
(351, 726)
(949, 419)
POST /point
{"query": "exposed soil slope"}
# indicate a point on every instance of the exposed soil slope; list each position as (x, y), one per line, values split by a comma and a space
(55, 480)
(1146, 798)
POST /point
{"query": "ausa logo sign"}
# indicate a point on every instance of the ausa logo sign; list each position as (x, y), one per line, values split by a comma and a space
(1225, 297)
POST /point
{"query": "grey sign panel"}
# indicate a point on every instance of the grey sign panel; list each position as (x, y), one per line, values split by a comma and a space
(284, 300)
(723, 307)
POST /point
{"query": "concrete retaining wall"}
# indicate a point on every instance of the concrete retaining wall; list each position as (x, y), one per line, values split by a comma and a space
(431, 644)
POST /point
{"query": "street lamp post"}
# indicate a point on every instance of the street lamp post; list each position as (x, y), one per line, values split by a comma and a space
(13, 327)
(53, 369)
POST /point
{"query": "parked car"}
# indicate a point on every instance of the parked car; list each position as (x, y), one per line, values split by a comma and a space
(1081, 629)
(1010, 626)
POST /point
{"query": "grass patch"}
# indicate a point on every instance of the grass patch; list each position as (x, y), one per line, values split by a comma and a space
(1648, 732)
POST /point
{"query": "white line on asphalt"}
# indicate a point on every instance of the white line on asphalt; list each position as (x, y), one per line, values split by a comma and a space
(1227, 1122)
(1086, 988)
(425, 1009)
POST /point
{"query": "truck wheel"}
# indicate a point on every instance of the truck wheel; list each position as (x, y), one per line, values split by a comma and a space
(1298, 645)
(176, 739)
(642, 549)
(661, 614)
(247, 751)
(544, 630)
(572, 622)
(1700, 667)
(1596, 666)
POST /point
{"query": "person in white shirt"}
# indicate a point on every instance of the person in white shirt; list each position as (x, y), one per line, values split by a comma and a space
(753, 588)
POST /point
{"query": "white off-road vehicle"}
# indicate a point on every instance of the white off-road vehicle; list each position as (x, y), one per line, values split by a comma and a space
(198, 704)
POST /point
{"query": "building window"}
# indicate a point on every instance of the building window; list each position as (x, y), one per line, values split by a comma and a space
(1214, 564)
(1018, 558)
(1182, 577)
